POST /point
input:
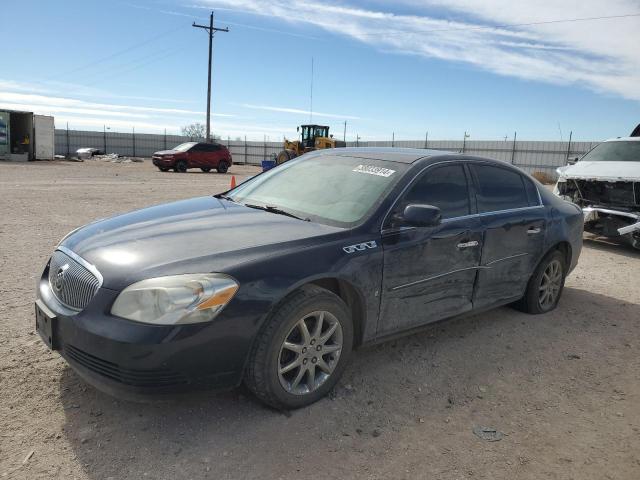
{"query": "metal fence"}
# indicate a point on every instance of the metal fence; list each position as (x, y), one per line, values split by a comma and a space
(532, 156)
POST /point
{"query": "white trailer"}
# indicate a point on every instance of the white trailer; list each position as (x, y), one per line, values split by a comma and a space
(25, 136)
(43, 137)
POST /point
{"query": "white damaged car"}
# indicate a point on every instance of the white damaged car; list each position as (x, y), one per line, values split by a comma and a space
(605, 183)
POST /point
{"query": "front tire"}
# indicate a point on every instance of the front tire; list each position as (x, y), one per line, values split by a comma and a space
(285, 156)
(181, 166)
(302, 350)
(545, 286)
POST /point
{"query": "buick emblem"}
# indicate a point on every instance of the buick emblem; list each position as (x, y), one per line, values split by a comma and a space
(58, 280)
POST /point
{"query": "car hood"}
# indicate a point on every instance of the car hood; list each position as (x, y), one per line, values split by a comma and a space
(166, 152)
(605, 171)
(191, 236)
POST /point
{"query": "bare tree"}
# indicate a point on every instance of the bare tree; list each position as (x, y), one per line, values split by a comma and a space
(194, 130)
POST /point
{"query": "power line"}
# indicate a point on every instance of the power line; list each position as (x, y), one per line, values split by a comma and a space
(508, 25)
(211, 31)
(117, 53)
(156, 57)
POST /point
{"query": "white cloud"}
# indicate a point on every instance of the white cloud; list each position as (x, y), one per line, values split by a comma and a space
(85, 114)
(52, 102)
(298, 111)
(599, 54)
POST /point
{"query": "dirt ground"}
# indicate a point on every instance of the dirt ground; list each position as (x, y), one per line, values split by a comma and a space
(564, 388)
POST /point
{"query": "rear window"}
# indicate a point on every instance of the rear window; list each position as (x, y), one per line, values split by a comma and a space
(499, 189)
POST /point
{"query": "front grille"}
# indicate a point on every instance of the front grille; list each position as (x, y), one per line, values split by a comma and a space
(608, 193)
(73, 284)
(137, 378)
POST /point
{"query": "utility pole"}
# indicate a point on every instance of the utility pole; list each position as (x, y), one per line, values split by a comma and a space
(104, 133)
(344, 135)
(211, 30)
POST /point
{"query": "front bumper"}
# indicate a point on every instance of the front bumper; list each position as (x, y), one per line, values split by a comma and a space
(127, 359)
(595, 214)
(162, 162)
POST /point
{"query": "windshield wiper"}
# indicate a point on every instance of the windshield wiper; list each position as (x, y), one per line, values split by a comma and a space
(277, 210)
(224, 197)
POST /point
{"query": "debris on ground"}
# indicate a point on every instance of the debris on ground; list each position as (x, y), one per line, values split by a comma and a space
(96, 154)
(489, 434)
(28, 457)
(87, 152)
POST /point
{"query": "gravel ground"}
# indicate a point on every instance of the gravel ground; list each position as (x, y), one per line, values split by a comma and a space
(563, 388)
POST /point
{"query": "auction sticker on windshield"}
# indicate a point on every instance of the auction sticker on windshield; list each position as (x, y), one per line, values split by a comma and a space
(371, 170)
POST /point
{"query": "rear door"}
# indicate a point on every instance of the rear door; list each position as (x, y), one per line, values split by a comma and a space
(429, 273)
(44, 141)
(213, 155)
(514, 222)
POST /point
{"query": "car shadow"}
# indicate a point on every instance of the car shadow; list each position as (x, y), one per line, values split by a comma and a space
(613, 245)
(463, 366)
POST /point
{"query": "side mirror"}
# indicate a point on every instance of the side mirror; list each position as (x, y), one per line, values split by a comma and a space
(297, 129)
(572, 161)
(421, 215)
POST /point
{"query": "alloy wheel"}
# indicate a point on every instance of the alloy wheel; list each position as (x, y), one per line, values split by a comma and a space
(310, 353)
(550, 284)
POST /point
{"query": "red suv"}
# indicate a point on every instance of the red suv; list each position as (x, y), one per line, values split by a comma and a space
(204, 156)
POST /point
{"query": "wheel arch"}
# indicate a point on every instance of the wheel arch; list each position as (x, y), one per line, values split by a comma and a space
(565, 248)
(352, 297)
(343, 289)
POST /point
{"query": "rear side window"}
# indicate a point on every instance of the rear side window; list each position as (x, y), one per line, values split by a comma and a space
(499, 189)
(214, 147)
(532, 192)
(443, 187)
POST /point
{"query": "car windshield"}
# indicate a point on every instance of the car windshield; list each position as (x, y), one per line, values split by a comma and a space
(183, 147)
(329, 189)
(618, 151)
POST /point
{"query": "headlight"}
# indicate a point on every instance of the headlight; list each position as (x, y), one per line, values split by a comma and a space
(176, 299)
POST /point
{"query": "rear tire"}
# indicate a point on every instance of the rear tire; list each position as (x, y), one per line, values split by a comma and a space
(302, 349)
(223, 167)
(545, 286)
(206, 169)
(181, 166)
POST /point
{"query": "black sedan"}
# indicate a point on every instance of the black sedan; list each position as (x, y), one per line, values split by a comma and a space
(275, 282)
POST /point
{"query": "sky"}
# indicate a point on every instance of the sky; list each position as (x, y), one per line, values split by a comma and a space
(404, 67)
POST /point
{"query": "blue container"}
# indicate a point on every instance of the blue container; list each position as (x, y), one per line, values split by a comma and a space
(268, 165)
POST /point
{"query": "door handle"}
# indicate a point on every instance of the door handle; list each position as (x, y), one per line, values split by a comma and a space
(533, 230)
(473, 243)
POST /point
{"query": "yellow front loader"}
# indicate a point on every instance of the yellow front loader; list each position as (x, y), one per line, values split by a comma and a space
(314, 137)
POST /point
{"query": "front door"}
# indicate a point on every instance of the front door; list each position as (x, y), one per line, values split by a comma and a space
(429, 273)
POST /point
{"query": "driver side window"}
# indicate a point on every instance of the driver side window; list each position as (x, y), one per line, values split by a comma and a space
(445, 187)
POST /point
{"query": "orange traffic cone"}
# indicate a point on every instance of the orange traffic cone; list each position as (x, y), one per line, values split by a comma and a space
(233, 182)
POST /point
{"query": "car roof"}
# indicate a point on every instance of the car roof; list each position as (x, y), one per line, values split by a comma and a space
(401, 155)
(623, 139)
